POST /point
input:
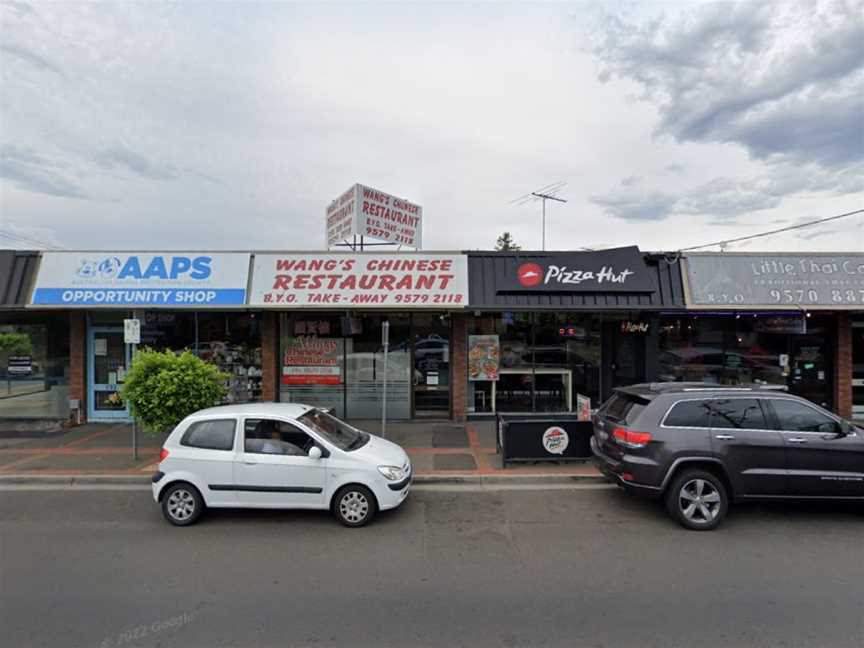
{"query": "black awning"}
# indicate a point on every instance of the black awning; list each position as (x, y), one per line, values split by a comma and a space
(491, 282)
(17, 271)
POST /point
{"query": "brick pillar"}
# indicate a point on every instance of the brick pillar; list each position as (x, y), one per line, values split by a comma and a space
(78, 363)
(269, 356)
(843, 367)
(459, 366)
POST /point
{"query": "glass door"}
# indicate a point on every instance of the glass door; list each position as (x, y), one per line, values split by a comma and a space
(431, 347)
(107, 363)
(858, 370)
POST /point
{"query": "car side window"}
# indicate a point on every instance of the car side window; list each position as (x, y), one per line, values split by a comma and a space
(797, 417)
(738, 413)
(269, 436)
(210, 435)
(689, 413)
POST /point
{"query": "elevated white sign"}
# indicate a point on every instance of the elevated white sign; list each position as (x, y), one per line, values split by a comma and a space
(364, 211)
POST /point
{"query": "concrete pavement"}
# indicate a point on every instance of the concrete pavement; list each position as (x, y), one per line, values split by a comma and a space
(586, 568)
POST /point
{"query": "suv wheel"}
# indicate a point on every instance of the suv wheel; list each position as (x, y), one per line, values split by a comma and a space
(182, 504)
(354, 505)
(698, 500)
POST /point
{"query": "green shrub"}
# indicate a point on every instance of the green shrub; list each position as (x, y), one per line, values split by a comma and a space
(162, 388)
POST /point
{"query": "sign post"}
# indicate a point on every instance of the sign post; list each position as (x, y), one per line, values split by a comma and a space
(132, 335)
(385, 342)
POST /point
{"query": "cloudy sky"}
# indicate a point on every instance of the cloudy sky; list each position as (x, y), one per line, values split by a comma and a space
(232, 125)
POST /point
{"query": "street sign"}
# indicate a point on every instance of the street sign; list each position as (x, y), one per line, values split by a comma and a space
(385, 342)
(132, 331)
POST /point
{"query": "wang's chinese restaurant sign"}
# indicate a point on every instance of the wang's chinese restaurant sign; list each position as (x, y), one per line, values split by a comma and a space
(360, 280)
(364, 211)
(122, 279)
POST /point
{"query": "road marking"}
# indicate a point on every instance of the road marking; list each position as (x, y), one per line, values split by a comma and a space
(430, 488)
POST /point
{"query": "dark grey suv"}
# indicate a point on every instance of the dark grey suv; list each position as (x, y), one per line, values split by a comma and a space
(702, 446)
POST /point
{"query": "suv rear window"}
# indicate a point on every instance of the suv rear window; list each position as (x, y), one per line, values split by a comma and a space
(210, 435)
(689, 413)
(624, 408)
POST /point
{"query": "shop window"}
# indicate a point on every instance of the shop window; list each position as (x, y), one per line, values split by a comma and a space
(34, 365)
(312, 369)
(364, 363)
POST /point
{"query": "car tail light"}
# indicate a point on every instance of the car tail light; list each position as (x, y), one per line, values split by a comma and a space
(163, 455)
(631, 438)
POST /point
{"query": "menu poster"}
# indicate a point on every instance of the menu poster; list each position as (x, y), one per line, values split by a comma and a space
(583, 407)
(309, 360)
(484, 354)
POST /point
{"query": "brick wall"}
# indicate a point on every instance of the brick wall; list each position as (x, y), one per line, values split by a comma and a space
(843, 367)
(78, 362)
(459, 366)
(269, 356)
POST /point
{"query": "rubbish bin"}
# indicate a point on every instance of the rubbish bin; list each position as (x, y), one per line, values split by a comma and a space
(543, 437)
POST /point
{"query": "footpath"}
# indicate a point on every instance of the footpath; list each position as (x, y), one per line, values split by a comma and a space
(101, 453)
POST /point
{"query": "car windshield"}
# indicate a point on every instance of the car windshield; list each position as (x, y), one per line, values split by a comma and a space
(337, 432)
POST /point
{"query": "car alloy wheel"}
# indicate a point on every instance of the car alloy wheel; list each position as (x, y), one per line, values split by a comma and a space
(699, 501)
(354, 506)
(182, 504)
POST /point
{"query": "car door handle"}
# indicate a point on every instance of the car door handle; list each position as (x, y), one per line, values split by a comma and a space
(725, 437)
(251, 463)
(797, 440)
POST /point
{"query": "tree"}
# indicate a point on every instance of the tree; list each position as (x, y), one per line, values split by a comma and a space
(162, 388)
(505, 243)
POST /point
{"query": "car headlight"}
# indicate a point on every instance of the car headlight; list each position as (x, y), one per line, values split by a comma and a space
(392, 473)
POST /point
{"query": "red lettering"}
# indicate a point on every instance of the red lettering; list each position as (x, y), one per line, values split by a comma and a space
(385, 282)
(282, 282)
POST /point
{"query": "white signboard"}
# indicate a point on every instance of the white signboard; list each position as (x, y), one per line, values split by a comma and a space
(362, 280)
(132, 331)
(122, 279)
(365, 211)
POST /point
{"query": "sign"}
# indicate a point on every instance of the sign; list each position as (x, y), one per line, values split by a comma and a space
(619, 270)
(123, 279)
(364, 211)
(132, 331)
(484, 354)
(555, 440)
(583, 407)
(796, 281)
(781, 324)
(634, 327)
(19, 365)
(363, 280)
(309, 360)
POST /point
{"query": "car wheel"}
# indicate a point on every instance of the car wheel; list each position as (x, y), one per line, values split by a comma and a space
(182, 504)
(698, 500)
(354, 506)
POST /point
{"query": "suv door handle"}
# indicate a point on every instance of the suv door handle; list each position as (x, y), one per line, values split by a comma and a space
(797, 440)
(725, 437)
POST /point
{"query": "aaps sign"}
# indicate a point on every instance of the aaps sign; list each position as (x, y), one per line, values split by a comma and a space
(414, 280)
(122, 279)
(364, 211)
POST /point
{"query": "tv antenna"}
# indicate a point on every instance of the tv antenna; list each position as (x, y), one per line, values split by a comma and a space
(543, 193)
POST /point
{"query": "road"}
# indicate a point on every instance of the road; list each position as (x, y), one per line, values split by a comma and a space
(584, 568)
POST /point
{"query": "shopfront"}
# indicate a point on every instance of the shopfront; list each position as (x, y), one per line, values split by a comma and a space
(556, 332)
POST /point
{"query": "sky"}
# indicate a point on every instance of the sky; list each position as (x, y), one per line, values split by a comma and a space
(233, 125)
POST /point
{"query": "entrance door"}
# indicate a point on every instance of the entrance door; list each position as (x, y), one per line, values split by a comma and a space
(431, 345)
(858, 370)
(107, 365)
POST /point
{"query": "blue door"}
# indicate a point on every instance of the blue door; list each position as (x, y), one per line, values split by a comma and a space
(107, 364)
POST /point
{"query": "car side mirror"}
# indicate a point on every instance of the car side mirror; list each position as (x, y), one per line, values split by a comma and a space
(844, 428)
(314, 452)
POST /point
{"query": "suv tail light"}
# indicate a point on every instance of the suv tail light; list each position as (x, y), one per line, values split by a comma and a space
(163, 455)
(630, 438)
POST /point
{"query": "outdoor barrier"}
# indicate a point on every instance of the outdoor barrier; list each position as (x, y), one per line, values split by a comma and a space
(543, 437)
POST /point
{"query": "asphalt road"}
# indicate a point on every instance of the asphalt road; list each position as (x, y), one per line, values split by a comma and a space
(513, 568)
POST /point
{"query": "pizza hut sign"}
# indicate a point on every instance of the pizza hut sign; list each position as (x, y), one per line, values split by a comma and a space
(616, 270)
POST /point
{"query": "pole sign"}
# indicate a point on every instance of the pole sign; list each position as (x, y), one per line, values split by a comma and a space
(364, 211)
(796, 281)
(413, 280)
(132, 331)
(152, 279)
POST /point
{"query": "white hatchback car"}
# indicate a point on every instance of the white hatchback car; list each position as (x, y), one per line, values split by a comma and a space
(277, 455)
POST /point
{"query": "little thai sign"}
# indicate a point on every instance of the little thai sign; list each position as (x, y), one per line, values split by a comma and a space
(360, 281)
(615, 270)
(364, 211)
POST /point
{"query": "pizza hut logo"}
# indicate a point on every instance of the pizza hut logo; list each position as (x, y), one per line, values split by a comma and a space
(555, 440)
(529, 274)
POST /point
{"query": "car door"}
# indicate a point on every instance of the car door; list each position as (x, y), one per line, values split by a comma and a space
(753, 452)
(821, 460)
(274, 470)
(206, 450)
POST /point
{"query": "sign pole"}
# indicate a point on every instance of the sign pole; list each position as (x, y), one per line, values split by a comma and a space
(132, 336)
(385, 342)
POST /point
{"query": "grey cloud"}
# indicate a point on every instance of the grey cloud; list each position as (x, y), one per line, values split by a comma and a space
(120, 157)
(24, 54)
(631, 205)
(20, 8)
(33, 172)
(777, 78)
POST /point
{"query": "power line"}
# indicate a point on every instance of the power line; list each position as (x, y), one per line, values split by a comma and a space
(776, 231)
(26, 240)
